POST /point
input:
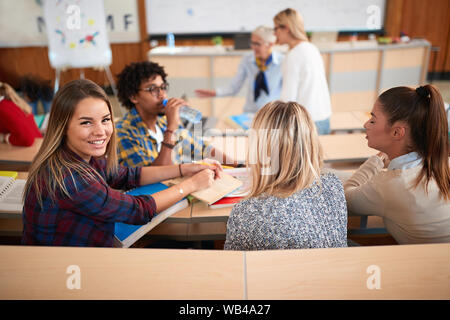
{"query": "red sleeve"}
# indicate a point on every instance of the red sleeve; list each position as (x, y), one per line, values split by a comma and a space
(20, 126)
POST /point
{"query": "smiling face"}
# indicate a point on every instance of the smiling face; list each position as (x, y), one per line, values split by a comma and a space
(90, 128)
(378, 130)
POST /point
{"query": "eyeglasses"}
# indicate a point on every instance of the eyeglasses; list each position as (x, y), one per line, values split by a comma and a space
(279, 27)
(155, 90)
(256, 44)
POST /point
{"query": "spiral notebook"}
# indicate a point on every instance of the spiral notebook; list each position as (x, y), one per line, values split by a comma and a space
(11, 194)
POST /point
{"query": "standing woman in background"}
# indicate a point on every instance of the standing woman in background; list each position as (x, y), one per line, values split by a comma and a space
(304, 79)
(261, 69)
(412, 196)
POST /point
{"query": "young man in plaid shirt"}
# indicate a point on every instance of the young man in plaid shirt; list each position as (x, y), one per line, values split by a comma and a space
(150, 133)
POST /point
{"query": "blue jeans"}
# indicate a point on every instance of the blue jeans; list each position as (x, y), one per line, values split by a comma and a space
(323, 126)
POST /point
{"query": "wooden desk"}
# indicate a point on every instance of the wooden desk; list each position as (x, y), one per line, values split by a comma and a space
(346, 147)
(18, 158)
(337, 147)
(202, 213)
(405, 272)
(346, 121)
(108, 273)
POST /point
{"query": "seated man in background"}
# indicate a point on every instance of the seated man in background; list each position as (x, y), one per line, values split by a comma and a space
(147, 132)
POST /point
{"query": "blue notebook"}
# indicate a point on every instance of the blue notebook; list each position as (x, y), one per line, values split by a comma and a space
(127, 234)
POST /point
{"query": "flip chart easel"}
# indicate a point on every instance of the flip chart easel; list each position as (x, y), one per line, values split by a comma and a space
(77, 37)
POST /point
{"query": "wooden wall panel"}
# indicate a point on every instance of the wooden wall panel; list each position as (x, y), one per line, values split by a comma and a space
(422, 19)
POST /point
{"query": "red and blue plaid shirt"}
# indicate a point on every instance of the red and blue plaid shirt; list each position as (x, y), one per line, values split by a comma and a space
(87, 219)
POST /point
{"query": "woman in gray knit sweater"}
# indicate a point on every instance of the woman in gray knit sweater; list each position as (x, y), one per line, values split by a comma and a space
(291, 205)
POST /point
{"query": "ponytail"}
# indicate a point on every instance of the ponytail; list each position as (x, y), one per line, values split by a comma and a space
(423, 110)
(436, 158)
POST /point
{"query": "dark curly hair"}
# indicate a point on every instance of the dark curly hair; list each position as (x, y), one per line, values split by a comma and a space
(131, 78)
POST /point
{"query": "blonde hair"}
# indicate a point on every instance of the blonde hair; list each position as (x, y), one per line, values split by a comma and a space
(293, 20)
(51, 162)
(265, 33)
(9, 93)
(284, 132)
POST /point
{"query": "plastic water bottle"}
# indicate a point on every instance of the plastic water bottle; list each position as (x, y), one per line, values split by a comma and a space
(170, 41)
(188, 113)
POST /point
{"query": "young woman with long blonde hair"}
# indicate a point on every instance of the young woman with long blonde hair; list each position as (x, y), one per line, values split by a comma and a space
(291, 204)
(409, 128)
(71, 196)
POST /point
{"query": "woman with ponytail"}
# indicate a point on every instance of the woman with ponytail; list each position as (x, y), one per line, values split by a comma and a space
(409, 127)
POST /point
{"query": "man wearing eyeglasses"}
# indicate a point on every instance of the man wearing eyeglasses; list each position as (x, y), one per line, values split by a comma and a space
(260, 69)
(150, 133)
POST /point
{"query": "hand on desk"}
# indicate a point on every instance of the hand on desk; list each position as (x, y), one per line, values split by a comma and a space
(202, 174)
(189, 169)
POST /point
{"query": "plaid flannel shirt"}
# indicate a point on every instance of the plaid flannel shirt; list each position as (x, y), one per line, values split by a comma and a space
(136, 148)
(87, 219)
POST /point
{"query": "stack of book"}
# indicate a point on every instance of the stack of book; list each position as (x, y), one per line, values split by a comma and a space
(242, 174)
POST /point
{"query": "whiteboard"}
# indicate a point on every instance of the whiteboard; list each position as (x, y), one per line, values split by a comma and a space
(236, 16)
(76, 33)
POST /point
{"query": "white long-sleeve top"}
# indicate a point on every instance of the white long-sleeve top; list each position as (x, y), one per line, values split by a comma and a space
(304, 80)
(410, 214)
(247, 72)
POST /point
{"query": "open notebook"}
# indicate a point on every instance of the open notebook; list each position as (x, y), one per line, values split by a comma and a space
(11, 194)
(219, 189)
(127, 234)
